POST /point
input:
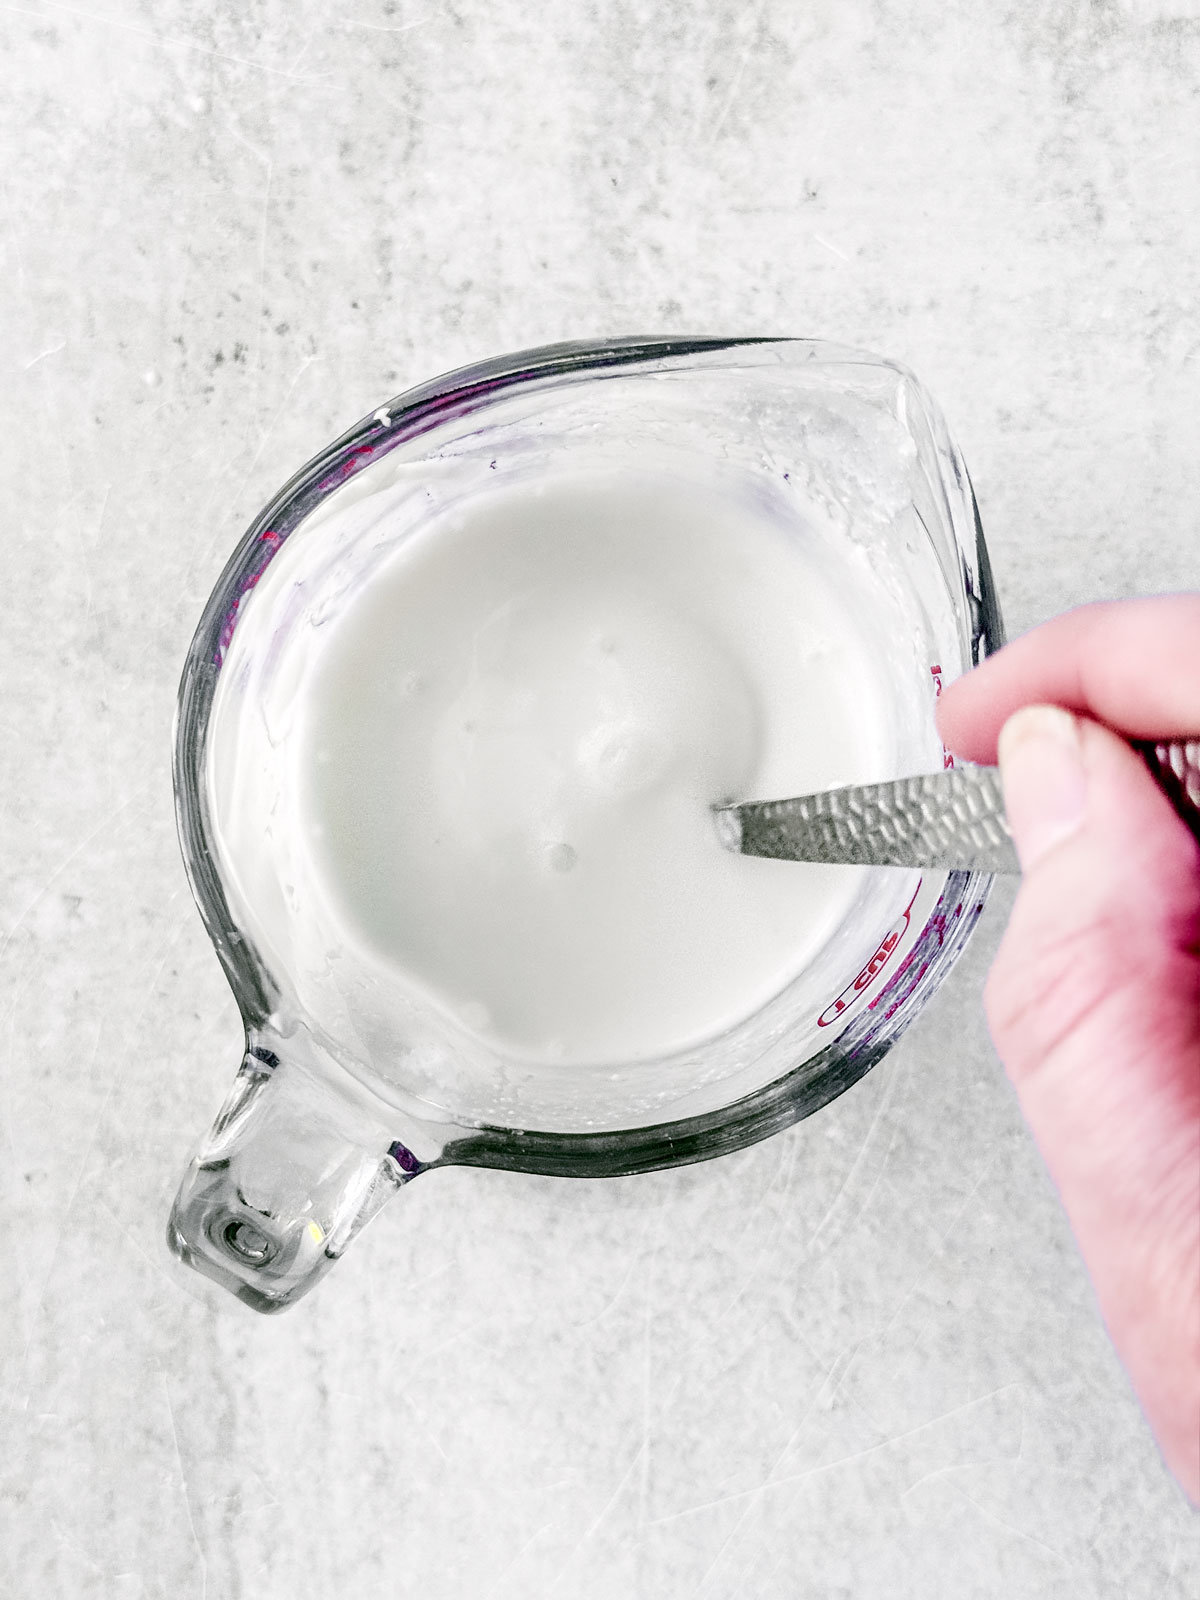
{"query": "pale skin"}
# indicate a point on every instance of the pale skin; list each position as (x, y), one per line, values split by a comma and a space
(1094, 998)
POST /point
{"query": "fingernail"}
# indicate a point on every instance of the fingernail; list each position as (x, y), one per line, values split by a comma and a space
(1045, 786)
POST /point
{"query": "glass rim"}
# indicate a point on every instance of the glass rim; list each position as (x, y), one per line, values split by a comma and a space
(808, 1085)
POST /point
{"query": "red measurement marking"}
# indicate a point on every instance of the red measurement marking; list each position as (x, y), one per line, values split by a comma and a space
(947, 758)
(357, 458)
(885, 952)
(272, 540)
(347, 468)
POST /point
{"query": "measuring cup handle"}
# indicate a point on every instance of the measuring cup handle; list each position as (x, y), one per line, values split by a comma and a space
(298, 1161)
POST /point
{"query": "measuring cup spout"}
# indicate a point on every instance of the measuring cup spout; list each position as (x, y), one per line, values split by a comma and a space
(297, 1163)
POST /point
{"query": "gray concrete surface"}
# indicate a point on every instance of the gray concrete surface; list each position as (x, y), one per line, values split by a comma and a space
(859, 1360)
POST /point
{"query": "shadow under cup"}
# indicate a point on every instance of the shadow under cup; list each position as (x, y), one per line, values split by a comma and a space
(330, 1114)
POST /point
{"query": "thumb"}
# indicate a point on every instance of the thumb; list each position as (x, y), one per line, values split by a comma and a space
(1094, 1006)
(1104, 938)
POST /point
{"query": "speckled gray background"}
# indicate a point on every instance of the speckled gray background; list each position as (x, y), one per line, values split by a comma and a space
(859, 1360)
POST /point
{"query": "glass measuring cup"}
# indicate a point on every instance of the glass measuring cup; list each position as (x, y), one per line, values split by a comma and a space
(342, 1098)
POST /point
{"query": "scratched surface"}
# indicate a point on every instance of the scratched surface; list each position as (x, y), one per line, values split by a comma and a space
(859, 1360)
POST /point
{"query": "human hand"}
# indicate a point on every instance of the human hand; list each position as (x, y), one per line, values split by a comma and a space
(1094, 998)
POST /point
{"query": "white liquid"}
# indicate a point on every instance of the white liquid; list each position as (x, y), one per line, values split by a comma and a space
(496, 753)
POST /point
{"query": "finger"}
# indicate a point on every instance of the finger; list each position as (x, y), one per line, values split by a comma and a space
(1132, 664)
(1094, 1005)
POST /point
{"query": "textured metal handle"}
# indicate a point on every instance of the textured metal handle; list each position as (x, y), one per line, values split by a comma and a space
(952, 819)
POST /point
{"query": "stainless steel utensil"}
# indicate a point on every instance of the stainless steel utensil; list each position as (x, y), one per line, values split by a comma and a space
(949, 819)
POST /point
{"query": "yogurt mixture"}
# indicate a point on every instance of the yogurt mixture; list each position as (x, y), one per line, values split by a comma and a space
(472, 772)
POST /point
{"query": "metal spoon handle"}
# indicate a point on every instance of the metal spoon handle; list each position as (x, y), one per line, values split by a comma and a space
(951, 819)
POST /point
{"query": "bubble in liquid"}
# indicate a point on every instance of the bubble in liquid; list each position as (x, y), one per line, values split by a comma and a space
(561, 857)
